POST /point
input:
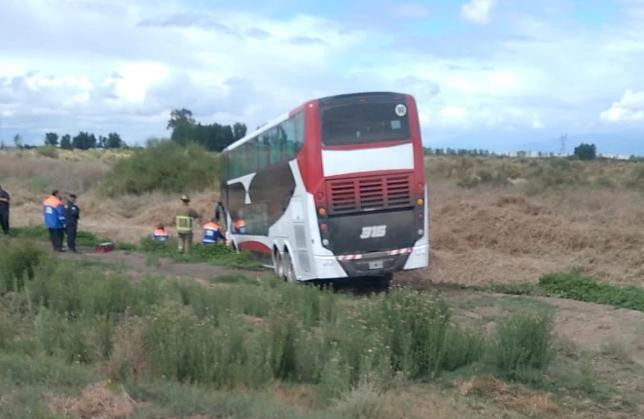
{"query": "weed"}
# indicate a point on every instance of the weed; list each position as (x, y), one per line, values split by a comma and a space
(18, 261)
(523, 344)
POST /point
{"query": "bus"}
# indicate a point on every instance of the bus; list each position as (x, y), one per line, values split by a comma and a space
(333, 189)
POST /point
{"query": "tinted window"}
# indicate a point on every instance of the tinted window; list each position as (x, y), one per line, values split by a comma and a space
(364, 122)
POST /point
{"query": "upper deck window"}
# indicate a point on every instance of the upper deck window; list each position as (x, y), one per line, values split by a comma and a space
(363, 122)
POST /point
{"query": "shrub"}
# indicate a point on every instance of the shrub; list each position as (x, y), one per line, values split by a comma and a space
(18, 261)
(165, 166)
(523, 344)
(48, 151)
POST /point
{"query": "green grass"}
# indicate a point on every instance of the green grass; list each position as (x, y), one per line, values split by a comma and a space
(218, 254)
(578, 287)
(39, 232)
(176, 343)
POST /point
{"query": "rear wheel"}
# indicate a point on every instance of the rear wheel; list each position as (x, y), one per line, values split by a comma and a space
(278, 267)
(288, 271)
(384, 282)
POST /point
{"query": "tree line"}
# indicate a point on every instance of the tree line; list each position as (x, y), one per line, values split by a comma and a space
(213, 137)
(84, 141)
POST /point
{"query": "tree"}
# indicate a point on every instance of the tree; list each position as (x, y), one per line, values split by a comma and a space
(84, 141)
(51, 138)
(585, 151)
(66, 142)
(113, 141)
(179, 117)
(239, 130)
(17, 140)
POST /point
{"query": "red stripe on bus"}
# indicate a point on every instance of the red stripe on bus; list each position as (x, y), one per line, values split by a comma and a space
(253, 246)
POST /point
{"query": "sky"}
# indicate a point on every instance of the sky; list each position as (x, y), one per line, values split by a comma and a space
(502, 75)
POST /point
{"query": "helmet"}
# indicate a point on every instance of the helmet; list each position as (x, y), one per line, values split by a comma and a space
(185, 198)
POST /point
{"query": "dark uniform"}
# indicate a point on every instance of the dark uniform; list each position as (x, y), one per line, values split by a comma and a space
(72, 214)
(4, 210)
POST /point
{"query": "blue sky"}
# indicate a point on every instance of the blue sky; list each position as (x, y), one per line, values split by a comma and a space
(496, 74)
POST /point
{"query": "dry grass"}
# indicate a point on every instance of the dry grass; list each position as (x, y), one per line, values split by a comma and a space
(534, 404)
(492, 234)
(96, 401)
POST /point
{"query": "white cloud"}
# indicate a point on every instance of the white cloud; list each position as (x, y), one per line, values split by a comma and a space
(630, 108)
(477, 11)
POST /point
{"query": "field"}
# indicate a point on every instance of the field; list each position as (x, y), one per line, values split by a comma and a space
(532, 307)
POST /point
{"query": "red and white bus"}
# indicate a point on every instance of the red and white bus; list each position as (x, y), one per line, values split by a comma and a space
(333, 189)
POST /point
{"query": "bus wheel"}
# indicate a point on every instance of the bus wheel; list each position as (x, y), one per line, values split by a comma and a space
(384, 282)
(278, 267)
(288, 271)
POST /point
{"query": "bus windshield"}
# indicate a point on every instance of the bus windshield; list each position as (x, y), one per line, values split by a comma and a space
(364, 122)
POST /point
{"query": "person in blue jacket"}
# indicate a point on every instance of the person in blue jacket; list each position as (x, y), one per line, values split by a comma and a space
(54, 217)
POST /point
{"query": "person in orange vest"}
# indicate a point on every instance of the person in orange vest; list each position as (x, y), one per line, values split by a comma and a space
(239, 226)
(54, 217)
(160, 234)
(212, 233)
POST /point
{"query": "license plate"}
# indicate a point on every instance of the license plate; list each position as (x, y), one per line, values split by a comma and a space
(375, 264)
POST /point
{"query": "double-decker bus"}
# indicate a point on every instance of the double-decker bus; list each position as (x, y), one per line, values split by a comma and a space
(333, 189)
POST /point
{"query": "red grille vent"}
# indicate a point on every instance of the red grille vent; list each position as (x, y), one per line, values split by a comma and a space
(369, 193)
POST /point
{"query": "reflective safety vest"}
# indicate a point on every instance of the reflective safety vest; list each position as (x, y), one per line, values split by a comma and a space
(53, 213)
(212, 233)
(160, 235)
(184, 224)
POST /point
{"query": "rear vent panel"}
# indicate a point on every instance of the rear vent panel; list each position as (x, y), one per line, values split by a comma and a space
(369, 193)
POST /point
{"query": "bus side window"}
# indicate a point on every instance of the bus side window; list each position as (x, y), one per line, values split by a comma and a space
(263, 148)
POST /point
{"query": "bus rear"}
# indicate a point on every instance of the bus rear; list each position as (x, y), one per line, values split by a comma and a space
(371, 198)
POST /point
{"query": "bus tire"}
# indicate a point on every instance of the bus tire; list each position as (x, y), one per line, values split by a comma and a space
(278, 268)
(384, 282)
(289, 271)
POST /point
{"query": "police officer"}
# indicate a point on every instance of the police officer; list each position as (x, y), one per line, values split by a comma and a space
(4, 210)
(72, 215)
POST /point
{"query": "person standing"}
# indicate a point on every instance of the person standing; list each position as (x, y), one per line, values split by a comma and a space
(184, 224)
(54, 217)
(4, 210)
(72, 215)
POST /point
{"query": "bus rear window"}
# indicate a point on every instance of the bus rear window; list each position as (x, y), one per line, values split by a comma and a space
(362, 123)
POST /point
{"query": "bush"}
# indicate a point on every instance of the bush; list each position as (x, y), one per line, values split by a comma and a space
(48, 151)
(164, 166)
(523, 344)
(18, 261)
